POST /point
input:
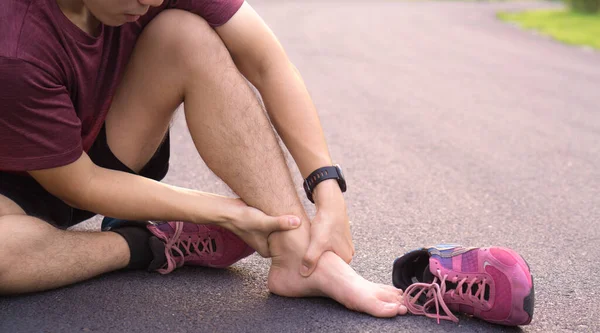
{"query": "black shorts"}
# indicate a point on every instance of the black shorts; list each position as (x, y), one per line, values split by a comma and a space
(38, 202)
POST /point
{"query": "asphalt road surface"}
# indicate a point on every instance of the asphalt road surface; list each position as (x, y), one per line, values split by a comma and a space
(452, 127)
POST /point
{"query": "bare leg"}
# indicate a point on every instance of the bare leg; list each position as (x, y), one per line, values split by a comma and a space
(235, 139)
(36, 256)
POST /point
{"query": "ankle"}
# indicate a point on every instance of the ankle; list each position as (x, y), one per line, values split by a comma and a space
(137, 238)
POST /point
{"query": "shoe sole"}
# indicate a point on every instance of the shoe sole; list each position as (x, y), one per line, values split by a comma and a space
(529, 301)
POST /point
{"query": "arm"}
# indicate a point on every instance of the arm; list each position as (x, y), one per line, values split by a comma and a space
(262, 60)
(84, 185)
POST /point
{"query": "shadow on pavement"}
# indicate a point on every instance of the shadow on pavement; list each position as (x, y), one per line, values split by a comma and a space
(197, 300)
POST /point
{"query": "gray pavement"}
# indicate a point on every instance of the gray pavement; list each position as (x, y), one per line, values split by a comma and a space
(452, 127)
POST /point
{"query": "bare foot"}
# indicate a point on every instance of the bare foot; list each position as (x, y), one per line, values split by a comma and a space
(335, 279)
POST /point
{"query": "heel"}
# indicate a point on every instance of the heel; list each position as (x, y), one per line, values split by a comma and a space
(529, 303)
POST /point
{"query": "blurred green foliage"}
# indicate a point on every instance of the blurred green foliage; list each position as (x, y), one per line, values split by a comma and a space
(584, 6)
(566, 26)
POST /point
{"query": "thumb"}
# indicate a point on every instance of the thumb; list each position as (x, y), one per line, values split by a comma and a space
(285, 222)
(309, 262)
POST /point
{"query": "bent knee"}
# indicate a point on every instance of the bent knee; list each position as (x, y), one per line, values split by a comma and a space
(19, 235)
(185, 37)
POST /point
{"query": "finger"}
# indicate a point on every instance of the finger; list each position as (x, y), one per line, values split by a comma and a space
(346, 253)
(263, 251)
(262, 248)
(309, 262)
(282, 223)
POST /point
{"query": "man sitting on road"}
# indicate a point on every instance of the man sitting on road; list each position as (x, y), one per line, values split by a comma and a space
(87, 92)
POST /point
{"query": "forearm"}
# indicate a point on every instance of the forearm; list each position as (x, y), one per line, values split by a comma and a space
(132, 197)
(294, 115)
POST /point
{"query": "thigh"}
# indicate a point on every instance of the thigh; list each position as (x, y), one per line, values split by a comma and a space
(152, 88)
(22, 195)
(9, 207)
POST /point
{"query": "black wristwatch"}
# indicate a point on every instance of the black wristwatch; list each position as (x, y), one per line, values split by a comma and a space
(321, 174)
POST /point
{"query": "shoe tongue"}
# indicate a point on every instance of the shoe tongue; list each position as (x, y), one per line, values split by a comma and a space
(166, 228)
(428, 275)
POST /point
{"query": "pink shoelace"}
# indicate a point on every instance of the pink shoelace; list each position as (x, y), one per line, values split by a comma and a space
(434, 293)
(175, 243)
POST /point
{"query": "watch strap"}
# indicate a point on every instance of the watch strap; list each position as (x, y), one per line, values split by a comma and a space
(319, 175)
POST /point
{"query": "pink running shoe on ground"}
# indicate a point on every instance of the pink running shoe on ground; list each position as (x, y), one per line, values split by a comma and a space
(493, 284)
(198, 245)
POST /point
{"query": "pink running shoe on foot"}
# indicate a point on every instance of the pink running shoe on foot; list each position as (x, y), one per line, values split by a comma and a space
(198, 245)
(494, 284)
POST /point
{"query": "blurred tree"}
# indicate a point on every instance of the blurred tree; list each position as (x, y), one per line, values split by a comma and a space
(584, 6)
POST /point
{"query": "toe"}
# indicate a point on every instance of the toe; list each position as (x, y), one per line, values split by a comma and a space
(391, 288)
(389, 296)
(381, 303)
(384, 309)
(402, 310)
(387, 287)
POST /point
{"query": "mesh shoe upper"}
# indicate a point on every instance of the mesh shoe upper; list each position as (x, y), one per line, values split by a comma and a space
(493, 284)
(198, 245)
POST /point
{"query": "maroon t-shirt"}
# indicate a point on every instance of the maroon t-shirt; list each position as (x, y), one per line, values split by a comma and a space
(57, 82)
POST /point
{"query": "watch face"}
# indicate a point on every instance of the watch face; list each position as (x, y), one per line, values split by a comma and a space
(342, 179)
(339, 170)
